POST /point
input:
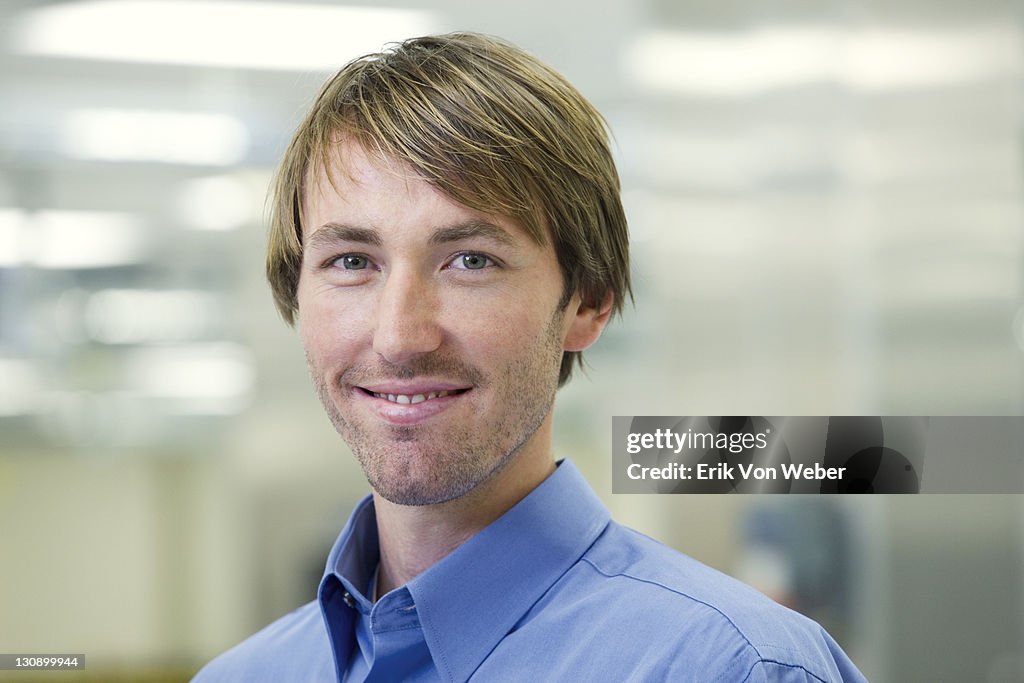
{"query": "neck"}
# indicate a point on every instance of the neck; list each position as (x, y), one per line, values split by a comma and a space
(414, 538)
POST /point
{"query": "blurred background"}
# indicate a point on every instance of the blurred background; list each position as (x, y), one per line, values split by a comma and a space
(826, 210)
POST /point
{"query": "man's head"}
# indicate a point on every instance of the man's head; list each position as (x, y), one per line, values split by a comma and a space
(487, 125)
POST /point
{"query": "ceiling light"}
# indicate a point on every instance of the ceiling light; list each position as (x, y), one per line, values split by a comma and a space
(729, 64)
(85, 239)
(203, 378)
(244, 35)
(145, 135)
(217, 203)
(12, 237)
(70, 239)
(745, 63)
(891, 59)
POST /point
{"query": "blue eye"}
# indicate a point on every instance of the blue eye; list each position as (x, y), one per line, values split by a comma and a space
(471, 261)
(353, 262)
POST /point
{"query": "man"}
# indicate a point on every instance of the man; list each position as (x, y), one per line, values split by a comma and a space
(448, 235)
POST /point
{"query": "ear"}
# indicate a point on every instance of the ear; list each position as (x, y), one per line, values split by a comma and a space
(587, 322)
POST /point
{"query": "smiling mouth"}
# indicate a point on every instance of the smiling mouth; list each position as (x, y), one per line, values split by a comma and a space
(408, 399)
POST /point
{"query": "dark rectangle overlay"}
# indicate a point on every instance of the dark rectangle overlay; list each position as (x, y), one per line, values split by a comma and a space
(41, 662)
(845, 454)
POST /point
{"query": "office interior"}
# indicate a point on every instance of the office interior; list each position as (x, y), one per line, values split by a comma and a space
(825, 205)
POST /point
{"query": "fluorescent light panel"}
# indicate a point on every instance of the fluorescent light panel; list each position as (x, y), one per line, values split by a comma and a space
(243, 35)
(171, 137)
(743, 63)
(13, 233)
(217, 203)
(208, 371)
(55, 239)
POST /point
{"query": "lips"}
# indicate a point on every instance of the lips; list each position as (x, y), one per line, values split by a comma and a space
(409, 402)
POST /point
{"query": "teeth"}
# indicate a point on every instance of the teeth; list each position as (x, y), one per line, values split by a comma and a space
(405, 399)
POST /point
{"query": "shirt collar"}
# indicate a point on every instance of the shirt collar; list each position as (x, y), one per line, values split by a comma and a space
(473, 597)
(355, 554)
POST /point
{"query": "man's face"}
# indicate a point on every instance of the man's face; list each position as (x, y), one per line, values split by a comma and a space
(432, 331)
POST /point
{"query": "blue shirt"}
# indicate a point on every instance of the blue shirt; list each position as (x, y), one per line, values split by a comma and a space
(553, 590)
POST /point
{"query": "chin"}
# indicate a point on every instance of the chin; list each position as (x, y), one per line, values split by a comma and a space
(419, 493)
(411, 476)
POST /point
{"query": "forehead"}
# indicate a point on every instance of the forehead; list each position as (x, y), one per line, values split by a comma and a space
(348, 173)
(356, 183)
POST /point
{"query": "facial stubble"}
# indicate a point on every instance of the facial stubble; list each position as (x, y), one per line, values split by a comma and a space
(419, 464)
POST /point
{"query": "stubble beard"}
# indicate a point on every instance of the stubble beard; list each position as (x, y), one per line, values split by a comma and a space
(416, 465)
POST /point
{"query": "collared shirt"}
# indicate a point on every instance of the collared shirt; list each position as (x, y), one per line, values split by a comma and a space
(553, 590)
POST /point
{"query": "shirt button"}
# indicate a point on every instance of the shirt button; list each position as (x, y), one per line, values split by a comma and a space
(349, 600)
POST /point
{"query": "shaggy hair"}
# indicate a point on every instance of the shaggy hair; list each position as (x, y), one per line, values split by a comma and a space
(490, 126)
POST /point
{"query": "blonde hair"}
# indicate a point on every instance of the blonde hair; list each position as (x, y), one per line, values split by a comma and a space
(490, 126)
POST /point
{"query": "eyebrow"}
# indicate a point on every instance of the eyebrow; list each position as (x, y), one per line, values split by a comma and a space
(469, 230)
(330, 233)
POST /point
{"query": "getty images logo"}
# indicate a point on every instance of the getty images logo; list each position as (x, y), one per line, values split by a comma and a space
(748, 454)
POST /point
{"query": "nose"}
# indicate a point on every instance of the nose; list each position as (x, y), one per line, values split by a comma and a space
(406, 317)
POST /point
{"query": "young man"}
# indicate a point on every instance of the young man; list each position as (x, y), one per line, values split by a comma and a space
(448, 235)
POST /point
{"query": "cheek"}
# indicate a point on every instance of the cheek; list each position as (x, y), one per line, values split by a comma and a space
(328, 330)
(514, 331)
(525, 309)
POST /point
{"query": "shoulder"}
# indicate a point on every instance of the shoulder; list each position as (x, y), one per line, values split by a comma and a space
(692, 612)
(293, 648)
